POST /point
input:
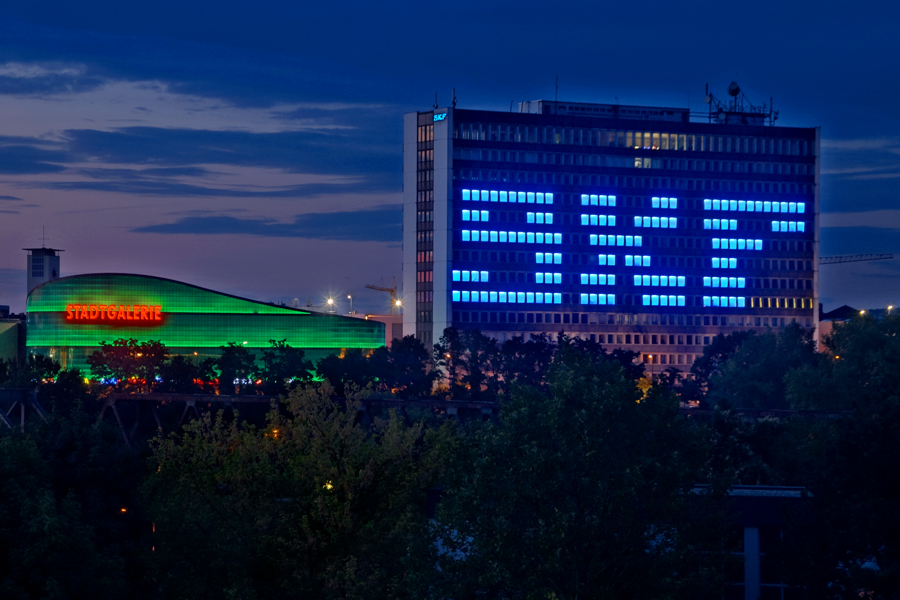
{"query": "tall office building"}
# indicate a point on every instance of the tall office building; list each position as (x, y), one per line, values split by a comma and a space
(639, 227)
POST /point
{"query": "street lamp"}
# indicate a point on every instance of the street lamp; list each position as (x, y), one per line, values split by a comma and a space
(350, 298)
(330, 302)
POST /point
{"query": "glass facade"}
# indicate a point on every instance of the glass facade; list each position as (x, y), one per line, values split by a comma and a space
(69, 317)
(696, 200)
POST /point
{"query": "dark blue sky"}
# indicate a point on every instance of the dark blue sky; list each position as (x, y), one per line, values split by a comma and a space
(256, 149)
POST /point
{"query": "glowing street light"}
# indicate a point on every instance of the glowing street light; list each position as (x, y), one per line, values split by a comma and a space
(350, 298)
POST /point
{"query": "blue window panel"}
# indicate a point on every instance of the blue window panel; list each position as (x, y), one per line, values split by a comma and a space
(801, 226)
(492, 297)
(503, 237)
(620, 240)
(610, 298)
(456, 295)
(503, 197)
(585, 219)
(548, 198)
(732, 302)
(654, 300)
(521, 197)
(715, 282)
(476, 195)
(601, 259)
(759, 206)
(663, 300)
(557, 298)
(672, 300)
(475, 276)
(715, 301)
(511, 297)
(801, 207)
(503, 297)
(484, 276)
(637, 280)
(601, 298)
(792, 226)
(584, 200)
(629, 260)
(681, 281)
(648, 222)
(548, 258)
(716, 205)
(707, 204)
(638, 221)
(520, 297)
(530, 197)
(465, 297)
(592, 279)
(466, 215)
(784, 207)
(530, 237)
(557, 278)
(792, 207)
(741, 302)
(733, 224)
(610, 220)
(484, 236)
(646, 279)
(742, 205)
(611, 259)
(584, 298)
(707, 301)
(645, 300)
(593, 298)
(529, 217)
(520, 237)
(645, 262)
(741, 282)
(784, 226)
(548, 218)
(611, 279)
(539, 258)
(455, 275)
(466, 235)
(540, 198)
(732, 282)
(557, 259)
(593, 238)
(774, 225)
(493, 236)
(673, 281)
(467, 195)
(751, 206)
(673, 202)
(540, 238)
(732, 263)
(484, 195)
(680, 300)
(715, 263)
(593, 219)
(707, 224)
(611, 200)
(732, 245)
(767, 207)
(638, 240)
(466, 276)
(476, 235)
(584, 279)
(673, 222)
(654, 280)
(494, 196)
(539, 298)
(715, 224)
(655, 222)
(557, 238)
(654, 202)
(741, 244)
(732, 205)
(775, 207)
(758, 244)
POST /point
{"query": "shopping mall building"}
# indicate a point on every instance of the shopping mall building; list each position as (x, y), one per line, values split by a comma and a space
(69, 317)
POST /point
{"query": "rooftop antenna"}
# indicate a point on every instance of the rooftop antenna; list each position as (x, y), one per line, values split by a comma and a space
(511, 105)
(454, 97)
(43, 236)
(435, 100)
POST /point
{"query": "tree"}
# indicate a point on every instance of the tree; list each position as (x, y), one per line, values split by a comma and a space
(313, 506)
(129, 363)
(717, 352)
(525, 363)
(354, 369)
(581, 491)
(36, 370)
(282, 368)
(186, 376)
(406, 367)
(471, 361)
(235, 365)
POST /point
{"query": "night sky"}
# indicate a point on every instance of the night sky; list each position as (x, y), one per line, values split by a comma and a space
(255, 148)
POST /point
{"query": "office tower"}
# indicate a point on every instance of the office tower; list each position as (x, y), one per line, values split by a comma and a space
(643, 228)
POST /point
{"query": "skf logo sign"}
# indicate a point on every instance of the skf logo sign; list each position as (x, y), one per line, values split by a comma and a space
(123, 314)
(439, 117)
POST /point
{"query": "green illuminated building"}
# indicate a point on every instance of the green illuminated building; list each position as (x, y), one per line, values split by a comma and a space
(69, 317)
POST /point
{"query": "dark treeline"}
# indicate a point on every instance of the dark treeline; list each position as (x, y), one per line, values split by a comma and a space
(585, 487)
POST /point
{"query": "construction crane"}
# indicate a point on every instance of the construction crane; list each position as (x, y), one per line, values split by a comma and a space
(831, 260)
(390, 286)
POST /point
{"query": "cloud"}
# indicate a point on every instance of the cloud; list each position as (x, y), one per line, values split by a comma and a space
(29, 160)
(382, 224)
(11, 199)
(32, 79)
(852, 145)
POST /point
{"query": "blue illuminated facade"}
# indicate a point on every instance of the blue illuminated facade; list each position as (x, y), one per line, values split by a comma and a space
(631, 226)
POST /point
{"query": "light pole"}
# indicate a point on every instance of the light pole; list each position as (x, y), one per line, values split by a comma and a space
(398, 304)
(350, 298)
(331, 304)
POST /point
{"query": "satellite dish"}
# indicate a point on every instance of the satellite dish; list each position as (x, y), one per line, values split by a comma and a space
(734, 89)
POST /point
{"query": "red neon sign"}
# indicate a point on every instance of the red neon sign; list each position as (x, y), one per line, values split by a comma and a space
(112, 313)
